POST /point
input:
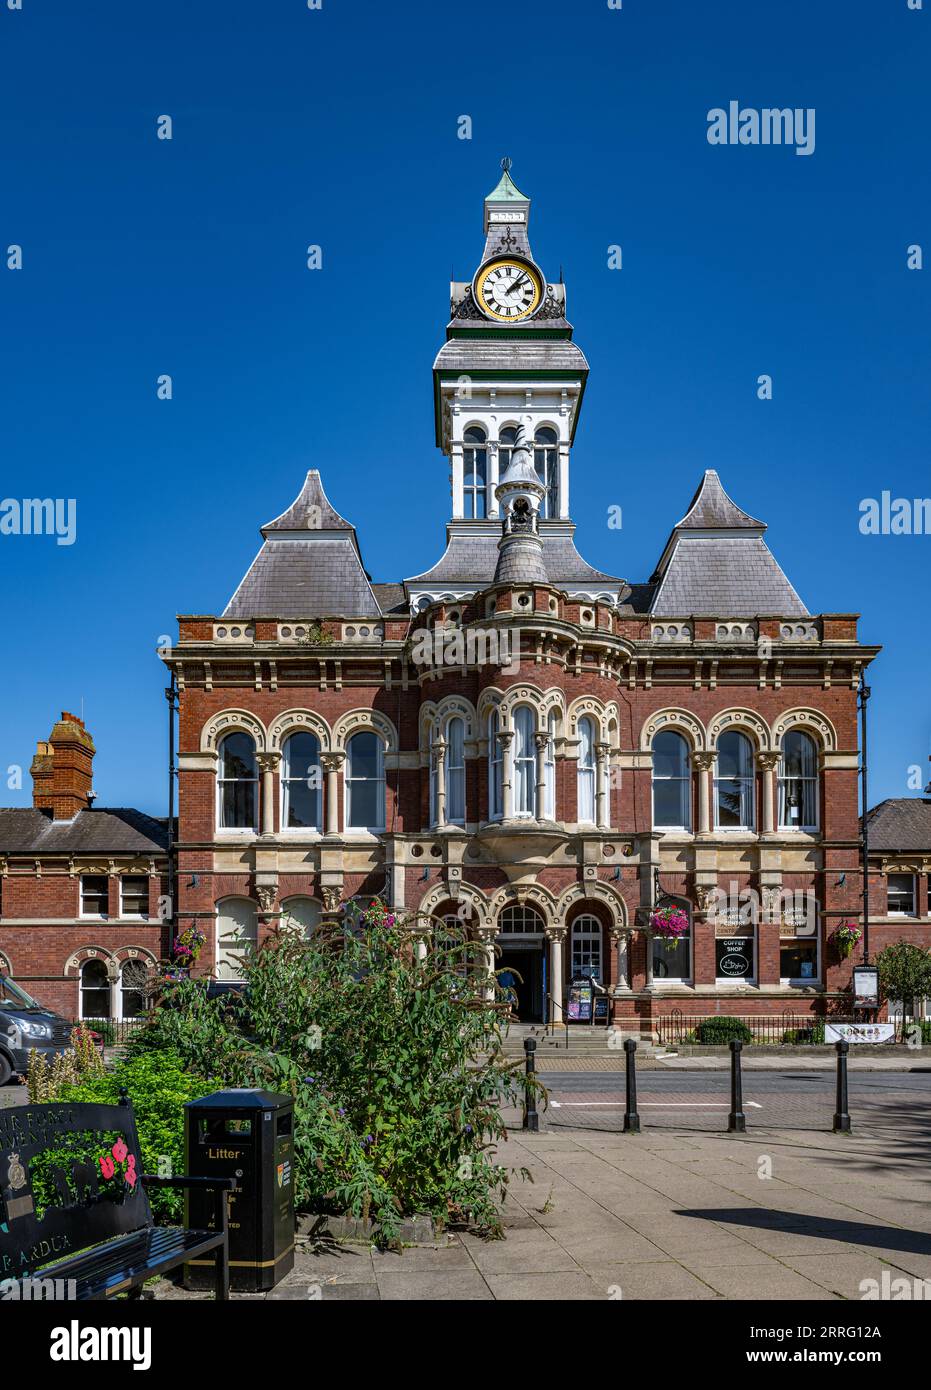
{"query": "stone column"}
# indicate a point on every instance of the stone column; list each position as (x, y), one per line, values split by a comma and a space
(621, 941)
(492, 480)
(602, 801)
(268, 765)
(486, 936)
(439, 793)
(767, 764)
(704, 766)
(555, 1008)
(331, 764)
(505, 739)
(456, 461)
(542, 742)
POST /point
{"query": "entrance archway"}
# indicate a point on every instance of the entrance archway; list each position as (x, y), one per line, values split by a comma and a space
(521, 960)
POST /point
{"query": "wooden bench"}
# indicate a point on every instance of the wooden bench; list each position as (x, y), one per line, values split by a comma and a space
(73, 1203)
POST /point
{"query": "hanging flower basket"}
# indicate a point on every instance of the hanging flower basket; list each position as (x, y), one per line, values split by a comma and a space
(845, 937)
(670, 924)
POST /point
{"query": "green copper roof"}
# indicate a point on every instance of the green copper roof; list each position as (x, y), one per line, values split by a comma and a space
(507, 192)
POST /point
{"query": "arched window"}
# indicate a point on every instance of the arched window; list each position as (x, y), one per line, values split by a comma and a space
(237, 783)
(475, 472)
(549, 768)
(455, 771)
(798, 782)
(524, 761)
(586, 939)
(734, 783)
(586, 772)
(495, 768)
(674, 962)
(301, 783)
(672, 782)
(546, 462)
(365, 782)
(507, 438)
(132, 989)
(237, 931)
(519, 919)
(95, 990)
(303, 913)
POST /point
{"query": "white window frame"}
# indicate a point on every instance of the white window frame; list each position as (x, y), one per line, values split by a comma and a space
(781, 781)
(121, 1013)
(495, 767)
(524, 753)
(94, 916)
(472, 492)
(379, 778)
(673, 956)
(896, 912)
(751, 779)
(94, 960)
(549, 768)
(687, 779)
(591, 933)
(586, 773)
(800, 981)
(284, 788)
(221, 781)
(134, 916)
(451, 768)
(549, 505)
(736, 981)
(250, 940)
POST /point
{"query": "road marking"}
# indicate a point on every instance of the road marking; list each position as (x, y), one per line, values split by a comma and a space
(656, 1104)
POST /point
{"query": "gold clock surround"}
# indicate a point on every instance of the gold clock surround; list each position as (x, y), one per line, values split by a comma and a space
(504, 270)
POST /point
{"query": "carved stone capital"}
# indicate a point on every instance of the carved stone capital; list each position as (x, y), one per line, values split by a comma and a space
(332, 761)
(267, 894)
(332, 896)
(268, 762)
(555, 935)
(703, 761)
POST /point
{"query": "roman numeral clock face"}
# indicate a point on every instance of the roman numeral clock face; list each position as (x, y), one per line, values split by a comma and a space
(508, 290)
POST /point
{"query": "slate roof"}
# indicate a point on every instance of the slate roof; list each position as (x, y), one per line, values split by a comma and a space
(520, 561)
(716, 562)
(391, 597)
(113, 830)
(902, 823)
(516, 355)
(309, 565)
(473, 559)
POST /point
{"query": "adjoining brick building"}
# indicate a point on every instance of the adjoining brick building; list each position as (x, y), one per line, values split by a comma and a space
(517, 739)
(82, 889)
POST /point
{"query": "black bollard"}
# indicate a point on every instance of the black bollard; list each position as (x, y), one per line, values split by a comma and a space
(736, 1120)
(631, 1117)
(841, 1113)
(531, 1118)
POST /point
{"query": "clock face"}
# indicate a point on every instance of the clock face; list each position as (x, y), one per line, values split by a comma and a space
(508, 290)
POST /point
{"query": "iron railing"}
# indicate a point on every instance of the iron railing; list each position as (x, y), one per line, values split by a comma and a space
(787, 1028)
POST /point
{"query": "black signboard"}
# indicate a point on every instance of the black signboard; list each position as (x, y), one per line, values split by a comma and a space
(734, 957)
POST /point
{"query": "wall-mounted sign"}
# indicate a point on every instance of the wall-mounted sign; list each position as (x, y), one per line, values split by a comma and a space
(734, 957)
(865, 987)
(859, 1032)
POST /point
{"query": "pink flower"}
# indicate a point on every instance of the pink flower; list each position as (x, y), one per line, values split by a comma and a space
(119, 1151)
(106, 1165)
(130, 1176)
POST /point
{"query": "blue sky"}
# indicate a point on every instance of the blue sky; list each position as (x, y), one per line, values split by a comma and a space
(339, 127)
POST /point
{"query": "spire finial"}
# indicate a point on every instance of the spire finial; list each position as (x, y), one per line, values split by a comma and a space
(506, 164)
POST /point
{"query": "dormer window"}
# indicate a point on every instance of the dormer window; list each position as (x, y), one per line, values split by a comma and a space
(475, 473)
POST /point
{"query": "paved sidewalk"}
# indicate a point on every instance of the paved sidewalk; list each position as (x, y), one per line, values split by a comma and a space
(666, 1215)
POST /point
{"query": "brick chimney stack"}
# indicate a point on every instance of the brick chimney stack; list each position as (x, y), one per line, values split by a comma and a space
(62, 769)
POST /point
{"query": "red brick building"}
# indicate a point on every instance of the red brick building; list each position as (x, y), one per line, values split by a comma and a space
(83, 890)
(548, 752)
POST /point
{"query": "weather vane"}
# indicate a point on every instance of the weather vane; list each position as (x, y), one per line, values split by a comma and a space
(506, 164)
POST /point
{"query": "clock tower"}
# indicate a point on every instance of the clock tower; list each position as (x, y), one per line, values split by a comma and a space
(509, 364)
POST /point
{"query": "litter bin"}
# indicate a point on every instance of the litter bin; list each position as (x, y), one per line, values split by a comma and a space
(246, 1135)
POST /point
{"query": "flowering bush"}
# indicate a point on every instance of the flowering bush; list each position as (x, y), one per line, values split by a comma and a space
(670, 923)
(393, 1055)
(845, 937)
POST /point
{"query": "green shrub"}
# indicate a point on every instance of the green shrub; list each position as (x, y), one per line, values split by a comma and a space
(394, 1059)
(159, 1083)
(718, 1030)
